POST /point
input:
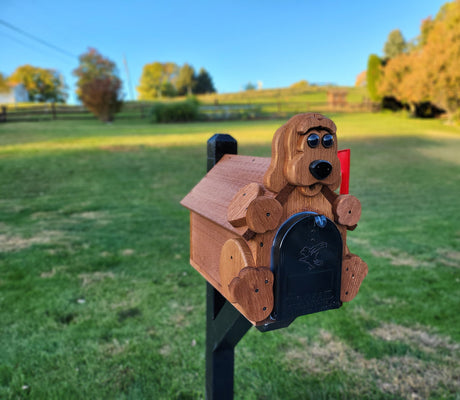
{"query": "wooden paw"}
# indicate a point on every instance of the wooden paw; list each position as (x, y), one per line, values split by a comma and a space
(237, 209)
(264, 214)
(347, 210)
(249, 207)
(234, 256)
(354, 270)
(253, 291)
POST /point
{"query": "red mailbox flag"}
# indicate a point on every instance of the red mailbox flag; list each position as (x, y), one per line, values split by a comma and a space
(344, 157)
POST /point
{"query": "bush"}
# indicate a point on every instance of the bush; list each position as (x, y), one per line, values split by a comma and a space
(182, 111)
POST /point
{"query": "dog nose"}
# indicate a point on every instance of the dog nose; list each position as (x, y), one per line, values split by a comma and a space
(320, 169)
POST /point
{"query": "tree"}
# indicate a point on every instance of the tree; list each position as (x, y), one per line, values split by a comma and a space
(374, 64)
(157, 79)
(186, 80)
(98, 86)
(300, 85)
(431, 71)
(395, 44)
(4, 87)
(42, 84)
(249, 86)
(425, 29)
(204, 83)
(101, 97)
(439, 67)
(398, 80)
(361, 79)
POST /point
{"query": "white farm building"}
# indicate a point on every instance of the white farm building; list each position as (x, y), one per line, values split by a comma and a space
(15, 94)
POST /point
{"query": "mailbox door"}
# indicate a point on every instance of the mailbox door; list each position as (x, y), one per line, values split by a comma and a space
(306, 261)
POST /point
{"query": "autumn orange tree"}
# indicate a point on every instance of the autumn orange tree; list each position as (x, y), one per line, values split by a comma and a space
(98, 85)
(430, 72)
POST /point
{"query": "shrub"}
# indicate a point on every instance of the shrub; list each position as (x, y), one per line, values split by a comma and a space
(182, 111)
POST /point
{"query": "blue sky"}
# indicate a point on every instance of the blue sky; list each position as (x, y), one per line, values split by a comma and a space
(274, 42)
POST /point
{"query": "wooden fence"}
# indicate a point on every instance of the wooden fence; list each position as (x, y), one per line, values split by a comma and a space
(141, 110)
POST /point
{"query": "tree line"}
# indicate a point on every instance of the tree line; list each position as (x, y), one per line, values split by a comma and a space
(99, 86)
(168, 80)
(423, 74)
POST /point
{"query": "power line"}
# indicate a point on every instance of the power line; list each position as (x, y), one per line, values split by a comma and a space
(29, 46)
(43, 42)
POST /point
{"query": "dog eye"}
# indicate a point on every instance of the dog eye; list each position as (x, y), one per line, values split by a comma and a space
(313, 140)
(328, 141)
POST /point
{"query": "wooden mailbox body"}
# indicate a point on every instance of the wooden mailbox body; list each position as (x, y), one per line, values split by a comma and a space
(270, 233)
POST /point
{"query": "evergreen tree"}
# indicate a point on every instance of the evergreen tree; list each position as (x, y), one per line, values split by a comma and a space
(204, 83)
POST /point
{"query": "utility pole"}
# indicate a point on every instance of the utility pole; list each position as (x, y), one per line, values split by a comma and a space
(130, 86)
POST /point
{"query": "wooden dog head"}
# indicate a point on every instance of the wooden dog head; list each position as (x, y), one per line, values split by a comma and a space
(304, 154)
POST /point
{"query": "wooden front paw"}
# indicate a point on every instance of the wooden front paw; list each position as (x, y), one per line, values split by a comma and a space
(253, 291)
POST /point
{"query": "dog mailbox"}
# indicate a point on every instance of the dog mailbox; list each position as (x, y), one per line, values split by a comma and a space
(270, 233)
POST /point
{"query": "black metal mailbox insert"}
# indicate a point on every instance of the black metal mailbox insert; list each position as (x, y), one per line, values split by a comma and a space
(306, 261)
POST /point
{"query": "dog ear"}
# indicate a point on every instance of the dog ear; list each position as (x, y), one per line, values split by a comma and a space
(284, 145)
(274, 179)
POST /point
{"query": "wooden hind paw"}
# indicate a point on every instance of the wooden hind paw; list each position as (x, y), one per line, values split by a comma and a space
(354, 270)
(253, 291)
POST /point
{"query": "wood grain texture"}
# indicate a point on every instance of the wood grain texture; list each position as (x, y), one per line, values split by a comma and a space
(253, 291)
(206, 241)
(263, 214)
(211, 197)
(238, 207)
(354, 270)
(347, 210)
(285, 147)
(261, 246)
(234, 257)
(298, 202)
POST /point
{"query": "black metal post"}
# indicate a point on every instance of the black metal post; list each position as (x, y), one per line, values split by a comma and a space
(225, 326)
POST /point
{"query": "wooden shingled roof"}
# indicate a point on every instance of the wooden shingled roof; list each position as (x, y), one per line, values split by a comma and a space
(211, 197)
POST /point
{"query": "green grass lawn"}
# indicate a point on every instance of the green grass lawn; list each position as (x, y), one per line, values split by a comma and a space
(98, 300)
